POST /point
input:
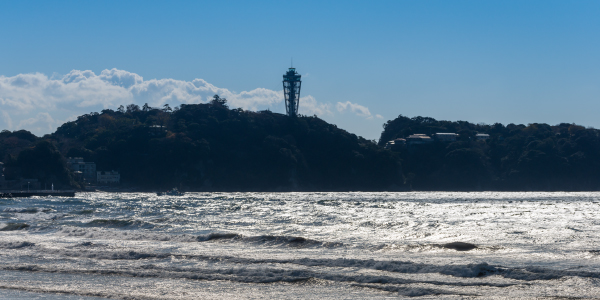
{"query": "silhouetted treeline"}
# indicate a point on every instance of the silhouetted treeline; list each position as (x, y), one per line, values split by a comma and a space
(515, 157)
(42, 162)
(212, 147)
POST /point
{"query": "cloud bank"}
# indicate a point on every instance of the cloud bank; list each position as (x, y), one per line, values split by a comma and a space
(40, 103)
(359, 110)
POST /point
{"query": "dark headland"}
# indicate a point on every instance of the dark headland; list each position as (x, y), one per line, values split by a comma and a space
(210, 147)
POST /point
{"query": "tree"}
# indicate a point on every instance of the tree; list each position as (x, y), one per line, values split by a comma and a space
(44, 163)
(218, 101)
(132, 108)
(166, 108)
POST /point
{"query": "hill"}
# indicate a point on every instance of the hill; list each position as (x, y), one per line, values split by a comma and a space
(515, 157)
(211, 147)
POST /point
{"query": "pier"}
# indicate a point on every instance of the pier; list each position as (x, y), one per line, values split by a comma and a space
(24, 194)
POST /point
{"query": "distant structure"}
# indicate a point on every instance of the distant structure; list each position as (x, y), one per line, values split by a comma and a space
(418, 139)
(446, 137)
(291, 90)
(87, 169)
(395, 144)
(108, 177)
(482, 136)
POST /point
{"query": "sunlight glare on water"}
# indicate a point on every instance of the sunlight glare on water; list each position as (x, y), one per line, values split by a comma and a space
(301, 245)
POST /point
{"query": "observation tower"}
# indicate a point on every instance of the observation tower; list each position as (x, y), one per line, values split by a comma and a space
(291, 91)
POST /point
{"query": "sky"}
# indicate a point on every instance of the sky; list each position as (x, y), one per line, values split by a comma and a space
(362, 62)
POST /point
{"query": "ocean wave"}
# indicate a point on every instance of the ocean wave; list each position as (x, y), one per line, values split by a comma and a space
(218, 236)
(265, 240)
(108, 293)
(474, 270)
(291, 241)
(27, 210)
(409, 291)
(270, 240)
(116, 223)
(83, 212)
(458, 246)
(15, 245)
(246, 274)
(14, 226)
(104, 231)
(85, 244)
(453, 246)
(463, 271)
(62, 291)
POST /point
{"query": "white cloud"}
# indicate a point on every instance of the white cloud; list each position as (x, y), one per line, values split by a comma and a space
(309, 106)
(7, 120)
(378, 116)
(41, 122)
(121, 77)
(115, 87)
(358, 109)
(40, 103)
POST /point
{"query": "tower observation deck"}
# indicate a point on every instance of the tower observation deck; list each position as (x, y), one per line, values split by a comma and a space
(291, 91)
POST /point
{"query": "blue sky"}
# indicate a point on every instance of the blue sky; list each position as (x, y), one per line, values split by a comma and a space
(362, 62)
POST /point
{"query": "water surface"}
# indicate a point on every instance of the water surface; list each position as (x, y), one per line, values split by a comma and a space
(301, 245)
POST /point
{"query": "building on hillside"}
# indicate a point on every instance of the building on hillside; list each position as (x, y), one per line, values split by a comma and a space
(446, 137)
(112, 177)
(88, 169)
(418, 139)
(78, 175)
(482, 136)
(395, 144)
(157, 129)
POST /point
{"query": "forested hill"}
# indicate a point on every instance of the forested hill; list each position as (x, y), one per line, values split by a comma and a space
(211, 147)
(515, 157)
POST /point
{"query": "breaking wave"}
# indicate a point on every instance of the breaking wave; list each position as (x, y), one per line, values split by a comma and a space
(265, 240)
(15, 245)
(114, 223)
(14, 226)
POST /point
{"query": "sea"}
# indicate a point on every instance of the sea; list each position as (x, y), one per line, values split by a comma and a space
(350, 245)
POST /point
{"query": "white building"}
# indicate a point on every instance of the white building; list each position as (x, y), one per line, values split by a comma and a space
(419, 138)
(88, 169)
(482, 136)
(393, 144)
(108, 177)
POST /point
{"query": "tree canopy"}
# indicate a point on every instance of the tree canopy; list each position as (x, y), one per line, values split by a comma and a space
(212, 147)
(515, 157)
